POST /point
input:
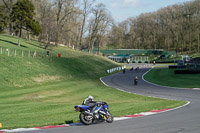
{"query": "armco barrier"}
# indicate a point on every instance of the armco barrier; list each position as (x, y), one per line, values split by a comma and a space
(115, 69)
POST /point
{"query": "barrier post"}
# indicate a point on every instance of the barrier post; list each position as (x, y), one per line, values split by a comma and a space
(8, 51)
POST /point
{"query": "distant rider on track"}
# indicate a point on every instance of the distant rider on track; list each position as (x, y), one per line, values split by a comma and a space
(136, 80)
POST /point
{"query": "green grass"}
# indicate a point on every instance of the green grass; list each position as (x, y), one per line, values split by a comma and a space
(53, 103)
(166, 77)
(195, 55)
(44, 91)
(12, 42)
(164, 65)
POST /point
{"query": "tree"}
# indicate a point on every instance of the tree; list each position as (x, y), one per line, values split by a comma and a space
(22, 16)
(46, 16)
(64, 10)
(3, 19)
(98, 24)
(87, 4)
(8, 5)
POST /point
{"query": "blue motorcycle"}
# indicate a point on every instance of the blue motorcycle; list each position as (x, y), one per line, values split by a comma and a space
(102, 113)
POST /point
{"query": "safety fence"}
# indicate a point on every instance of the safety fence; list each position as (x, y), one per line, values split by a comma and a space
(19, 53)
(38, 53)
(115, 69)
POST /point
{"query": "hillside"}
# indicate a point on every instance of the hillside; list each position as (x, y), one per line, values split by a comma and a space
(21, 71)
(43, 91)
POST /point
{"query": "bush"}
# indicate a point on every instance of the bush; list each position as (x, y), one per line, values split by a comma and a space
(175, 67)
(164, 61)
(185, 72)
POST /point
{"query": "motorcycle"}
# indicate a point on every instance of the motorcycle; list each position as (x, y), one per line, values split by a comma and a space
(135, 81)
(124, 71)
(102, 113)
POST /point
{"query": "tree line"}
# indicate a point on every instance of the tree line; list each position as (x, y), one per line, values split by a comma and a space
(19, 16)
(86, 23)
(176, 27)
(79, 23)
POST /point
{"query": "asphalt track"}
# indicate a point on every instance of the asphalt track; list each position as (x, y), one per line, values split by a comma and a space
(182, 120)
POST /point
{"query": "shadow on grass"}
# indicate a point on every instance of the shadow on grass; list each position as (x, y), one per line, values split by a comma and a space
(12, 43)
(39, 46)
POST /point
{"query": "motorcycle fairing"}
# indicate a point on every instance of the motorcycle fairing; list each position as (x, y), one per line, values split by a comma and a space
(84, 107)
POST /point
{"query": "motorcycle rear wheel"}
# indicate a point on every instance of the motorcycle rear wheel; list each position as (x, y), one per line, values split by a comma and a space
(85, 119)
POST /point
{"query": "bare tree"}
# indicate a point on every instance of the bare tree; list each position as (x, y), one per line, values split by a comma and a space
(63, 10)
(46, 16)
(104, 28)
(86, 9)
(175, 27)
(95, 27)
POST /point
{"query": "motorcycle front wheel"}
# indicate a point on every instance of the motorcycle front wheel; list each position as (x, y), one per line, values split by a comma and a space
(109, 117)
(85, 119)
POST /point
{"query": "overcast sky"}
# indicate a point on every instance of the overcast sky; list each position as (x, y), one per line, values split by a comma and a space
(123, 9)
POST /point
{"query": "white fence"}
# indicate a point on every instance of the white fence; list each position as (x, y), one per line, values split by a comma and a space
(37, 53)
(115, 69)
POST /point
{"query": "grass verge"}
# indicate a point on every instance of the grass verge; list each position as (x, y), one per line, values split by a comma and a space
(52, 103)
(166, 77)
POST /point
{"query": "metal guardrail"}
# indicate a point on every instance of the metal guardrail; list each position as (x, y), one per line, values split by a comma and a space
(115, 69)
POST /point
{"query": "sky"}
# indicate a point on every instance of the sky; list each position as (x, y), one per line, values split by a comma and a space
(124, 9)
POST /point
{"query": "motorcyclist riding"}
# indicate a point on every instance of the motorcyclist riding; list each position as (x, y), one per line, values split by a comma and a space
(89, 101)
(136, 80)
(92, 111)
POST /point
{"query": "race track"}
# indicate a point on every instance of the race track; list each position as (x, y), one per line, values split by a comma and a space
(182, 120)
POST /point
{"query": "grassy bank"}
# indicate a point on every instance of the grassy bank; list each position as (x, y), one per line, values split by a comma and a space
(43, 91)
(166, 77)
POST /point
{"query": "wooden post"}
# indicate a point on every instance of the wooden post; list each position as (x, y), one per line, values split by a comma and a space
(8, 51)
(35, 54)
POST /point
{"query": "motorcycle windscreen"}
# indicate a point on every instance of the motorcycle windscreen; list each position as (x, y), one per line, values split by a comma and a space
(106, 106)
